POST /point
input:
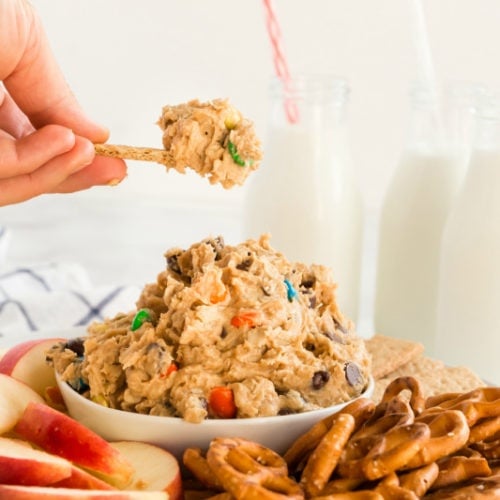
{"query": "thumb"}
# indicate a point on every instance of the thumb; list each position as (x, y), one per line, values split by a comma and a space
(39, 88)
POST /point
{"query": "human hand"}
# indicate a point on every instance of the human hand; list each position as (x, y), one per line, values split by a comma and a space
(46, 140)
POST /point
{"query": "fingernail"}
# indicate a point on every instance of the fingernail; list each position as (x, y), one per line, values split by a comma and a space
(114, 182)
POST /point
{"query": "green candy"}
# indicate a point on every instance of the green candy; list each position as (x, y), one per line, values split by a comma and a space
(236, 157)
(140, 318)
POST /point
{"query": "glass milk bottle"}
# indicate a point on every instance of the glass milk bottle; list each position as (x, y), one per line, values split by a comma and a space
(412, 218)
(469, 294)
(304, 193)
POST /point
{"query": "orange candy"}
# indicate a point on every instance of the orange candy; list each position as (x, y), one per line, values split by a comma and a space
(221, 402)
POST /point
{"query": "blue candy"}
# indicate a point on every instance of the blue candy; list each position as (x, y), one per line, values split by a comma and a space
(291, 293)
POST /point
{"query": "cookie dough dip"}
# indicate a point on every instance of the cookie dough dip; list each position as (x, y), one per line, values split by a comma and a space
(212, 138)
(226, 331)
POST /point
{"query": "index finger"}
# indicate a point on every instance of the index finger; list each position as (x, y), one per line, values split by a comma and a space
(36, 82)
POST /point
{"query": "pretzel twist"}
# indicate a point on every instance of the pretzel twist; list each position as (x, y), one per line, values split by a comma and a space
(390, 488)
(352, 495)
(442, 400)
(449, 433)
(221, 496)
(399, 385)
(361, 409)
(251, 471)
(460, 467)
(197, 464)
(376, 456)
(488, 449)
(478, 404)
(403, 415)
(475, 488)
(486, 430)
(420, 480)
(341, 485)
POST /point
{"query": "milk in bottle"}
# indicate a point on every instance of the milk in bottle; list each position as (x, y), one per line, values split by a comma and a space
(304, 193)
(411, 223)
(469, 291)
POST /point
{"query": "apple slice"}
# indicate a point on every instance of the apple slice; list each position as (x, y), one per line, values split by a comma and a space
(61, 435)
(53, 397)
(22, 464)
(82, 480)
(26, 362)
(14, 397)
(12, 492)
(155, 468)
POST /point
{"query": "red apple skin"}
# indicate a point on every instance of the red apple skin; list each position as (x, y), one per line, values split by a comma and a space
(82, 480)
(21, 464)
(14, 397)
(26, 362)
(175, 489)
(63, 436)
(53, 397)
(14, 492)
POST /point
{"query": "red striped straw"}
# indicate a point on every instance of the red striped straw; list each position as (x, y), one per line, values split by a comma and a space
(280, 63)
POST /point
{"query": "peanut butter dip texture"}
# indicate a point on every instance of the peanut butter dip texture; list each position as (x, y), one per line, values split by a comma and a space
(241, 318)
(211, 138)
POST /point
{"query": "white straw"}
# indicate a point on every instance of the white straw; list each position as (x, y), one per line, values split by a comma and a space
(425, 63)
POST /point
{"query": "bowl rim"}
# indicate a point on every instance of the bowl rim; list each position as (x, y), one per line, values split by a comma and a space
(66, 389)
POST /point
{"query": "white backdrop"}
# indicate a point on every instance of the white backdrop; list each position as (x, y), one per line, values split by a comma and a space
(125, 59)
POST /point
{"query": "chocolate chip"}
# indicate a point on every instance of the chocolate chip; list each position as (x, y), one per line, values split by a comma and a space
(339, 325)
(310, 347)
(286, 411)
(173, 264)
(334, 337)
(75, 345)
(154, 346)
(223, 333)
(353, 374)
(320, 378)
(217, 244)
(312, 301)
(79, 385)
(245, 265)
(307, 283)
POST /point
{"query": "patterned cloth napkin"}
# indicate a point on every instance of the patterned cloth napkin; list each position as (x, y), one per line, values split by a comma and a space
(53, 297)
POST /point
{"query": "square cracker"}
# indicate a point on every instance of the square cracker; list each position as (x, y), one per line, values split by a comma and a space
(434, 376)
(389, 353)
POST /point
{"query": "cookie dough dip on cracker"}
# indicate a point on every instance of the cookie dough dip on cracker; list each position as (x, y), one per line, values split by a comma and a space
(226, 331)
(212, 138)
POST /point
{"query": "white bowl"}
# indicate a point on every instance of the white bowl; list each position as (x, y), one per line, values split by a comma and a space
(175, 434)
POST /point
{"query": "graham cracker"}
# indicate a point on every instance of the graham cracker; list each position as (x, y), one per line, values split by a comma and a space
(135, 153)
(389, 353)
(434, 376)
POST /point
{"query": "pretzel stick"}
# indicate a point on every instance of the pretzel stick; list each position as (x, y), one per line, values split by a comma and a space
(135, 153)
(324, 458)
